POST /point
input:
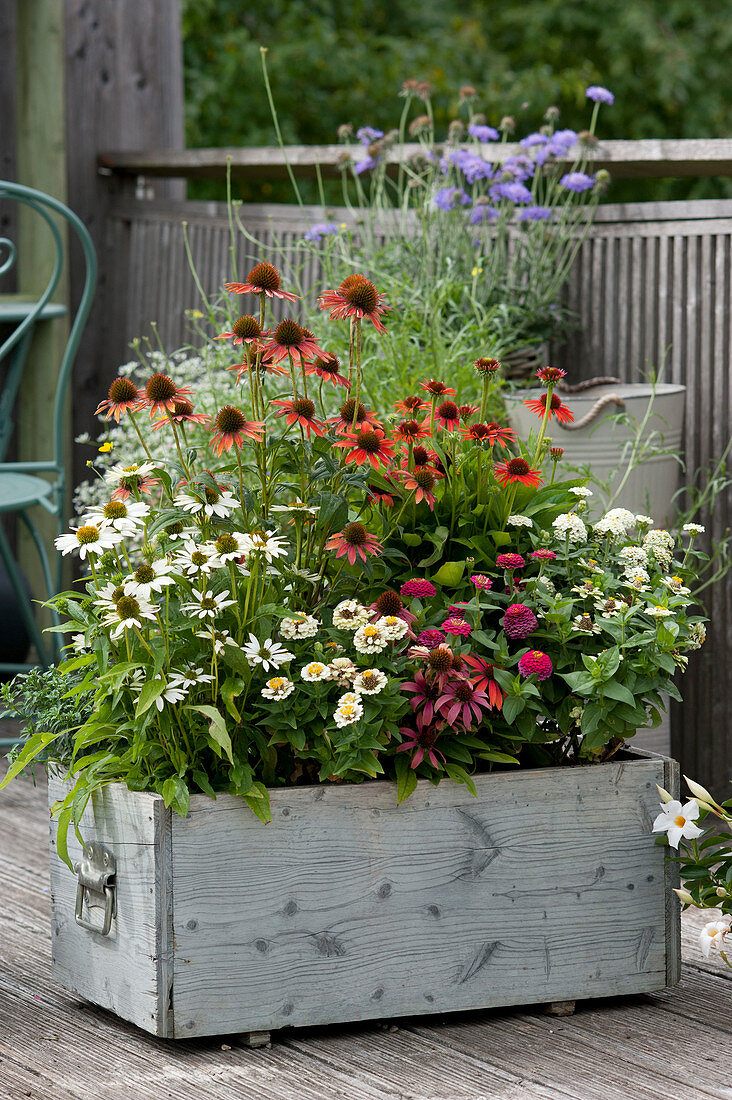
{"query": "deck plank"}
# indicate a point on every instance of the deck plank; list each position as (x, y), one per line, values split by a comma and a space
(53, 1044)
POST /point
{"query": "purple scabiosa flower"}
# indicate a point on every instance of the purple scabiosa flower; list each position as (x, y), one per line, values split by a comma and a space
(519, 621)
(536, 663)
(535, 214)
(364, 165)
(483, 133)
(562, 141)
(600, 95)
(367, 134)
(322, 229)
(448, 197)
(482, 213)
(520, 168)
(577, 181)
(511, 190)
(431, 638)
(534, 139)
(472, 165)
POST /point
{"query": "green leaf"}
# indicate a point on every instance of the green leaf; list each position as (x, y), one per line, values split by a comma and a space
(176, 794)
(31, 749)
(258, 802)
(217, 729)
(613, 690)
(450, 574)
(409, 538)
(512, 706)
(151, 690)
(406, 778)
(231, 687)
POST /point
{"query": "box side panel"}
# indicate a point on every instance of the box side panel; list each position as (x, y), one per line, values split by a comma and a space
(118, 971)
(548, 886)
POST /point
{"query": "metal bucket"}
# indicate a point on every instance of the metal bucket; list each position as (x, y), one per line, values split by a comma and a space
(601, 440)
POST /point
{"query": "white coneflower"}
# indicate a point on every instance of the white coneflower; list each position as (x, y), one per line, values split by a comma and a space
(266, 543)
(230, 545)
(129, 613)
(189, 677)
(350, 615)
(123, 516)
(215, 504)
(218, 639)
(392, 626)
(204, 605)
(299, 626)
(148, 578)
(268, 654)
(195, 559)
(279, 687)
(370, 682)
(88, 540)
(133, 471)
(297, 506)
(370, 638)
(315, 672)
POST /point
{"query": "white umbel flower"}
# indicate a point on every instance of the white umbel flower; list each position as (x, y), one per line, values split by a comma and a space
(660, 544)
(677, 821)
(370, 682)
(277, 688)
(392, 626)
(299, 626)
(350, 615)
(570, 526)
(269, 654)
(633, 556)
(581, 491)
(370, 638)
(693, 529)
(315, 672)
(88, 540)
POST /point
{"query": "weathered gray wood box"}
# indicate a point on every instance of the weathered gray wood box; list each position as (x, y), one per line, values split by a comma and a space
(547, 887)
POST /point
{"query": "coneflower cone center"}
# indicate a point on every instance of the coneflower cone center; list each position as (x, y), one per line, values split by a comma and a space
(265, 276)
(115, 509)
(412, 402)
(226, 544)
(303, 406)
(127, 607)
(182, 408)
(122, 391)
(440, 659)
(420, 456)
(389, 603)
(349, 407)
(410, 427)
(331, 365)
(480, 431)
(362, 295)
(369, 441)
(145, 574)
(355, 534)
(517, 467)
(349, 282)
(230, 419)
(211, 495)
(247, 328)
(160, 388)
(425, 479)
(464, 691)
(448, 410)
(87, 534)
(288, 333)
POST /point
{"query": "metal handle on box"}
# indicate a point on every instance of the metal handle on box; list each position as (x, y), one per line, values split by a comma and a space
(96, 874)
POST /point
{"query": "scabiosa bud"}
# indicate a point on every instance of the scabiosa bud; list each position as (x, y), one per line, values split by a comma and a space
(536, 663)
(551, 114)
(422, 589)
(519, 621)
(420, 125)
(467, 92)
(510, 561)
(345, 131)
(455, 131)
(507, 124)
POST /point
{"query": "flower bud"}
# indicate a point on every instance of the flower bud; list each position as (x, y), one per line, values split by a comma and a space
(721, 892)
(345, 131)
(665, 796)
(508, 124)
(685, 897)
(551, 114)
(701, 794)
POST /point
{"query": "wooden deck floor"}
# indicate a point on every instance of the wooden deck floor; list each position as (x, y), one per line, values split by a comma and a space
(673, 1044)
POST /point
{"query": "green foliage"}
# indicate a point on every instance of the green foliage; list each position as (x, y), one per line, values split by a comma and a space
(330, 63)
(49, 702)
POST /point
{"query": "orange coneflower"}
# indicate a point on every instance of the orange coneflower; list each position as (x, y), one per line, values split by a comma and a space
(353, 541)
(328, 368)
(370, 445)
(182, 413)
(448, 414)
(231, 426)
(123, 396)
(556, 408)
(422, 481)
(410, 406)
(516, 469)
(161, 394)
(300, 410)
(355, 297)
(247, 330)
(437, 389)
(489, 433)
(289, 338)
(411, 431)
(344, 421)
(263, 279)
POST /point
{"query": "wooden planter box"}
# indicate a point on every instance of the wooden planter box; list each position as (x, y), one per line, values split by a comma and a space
(548, 886)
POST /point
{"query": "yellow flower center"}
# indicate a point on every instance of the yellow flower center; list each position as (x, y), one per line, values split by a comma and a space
(348, 710)
(680, 821)
(371, 631)
(315, 668)
(275, 683)
(88, 533)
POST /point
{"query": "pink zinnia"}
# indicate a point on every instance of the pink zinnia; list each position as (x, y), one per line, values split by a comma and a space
(519, 621)
(536, 663)
(510, 561)
(419, 588)
(481, 581)
(431, 638)
(543, 555)
(457, 626)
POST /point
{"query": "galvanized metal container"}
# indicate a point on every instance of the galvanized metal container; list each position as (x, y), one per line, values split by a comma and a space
(546, 887)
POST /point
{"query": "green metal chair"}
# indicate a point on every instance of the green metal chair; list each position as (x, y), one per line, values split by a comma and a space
(27, 485)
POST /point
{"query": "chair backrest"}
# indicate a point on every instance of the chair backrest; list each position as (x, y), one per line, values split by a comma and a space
(46, 206)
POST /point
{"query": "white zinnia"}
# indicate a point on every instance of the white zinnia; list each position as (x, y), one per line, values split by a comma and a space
(268, 654)
(658, 612)
(570, 526)
(392, 626)
(279, 687)
(370, 682)
(350, 615)
(677, 821)
(315, 671)
(299, 626)
(348, 712)
(370, 638)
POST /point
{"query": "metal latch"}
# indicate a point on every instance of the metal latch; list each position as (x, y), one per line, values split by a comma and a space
(96, 886)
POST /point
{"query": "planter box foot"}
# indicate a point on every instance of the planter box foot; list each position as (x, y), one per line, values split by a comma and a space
(560, 1008)
(255, 1039)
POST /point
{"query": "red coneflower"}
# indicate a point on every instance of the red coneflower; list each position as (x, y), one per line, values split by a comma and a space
(423, 457)
(551, 375)
(289, 338)
(411, 431)
(484, 680)
(448, 415)
(161, 394)
(516, 469)
(123, 396)
(182, 413)
(247, 330)
(422, 481)
(489, 433)
(556, 408)
(265, 364)
(410, 406)
(344, 421)
(328, 368)
(263, 279)
(462, 700)
(466, 411)
(300, 410)
(355, 297)
(370, 445)
(486, 366)
(437, 389)
(556, 453)
(354, 541)
(231, 426)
